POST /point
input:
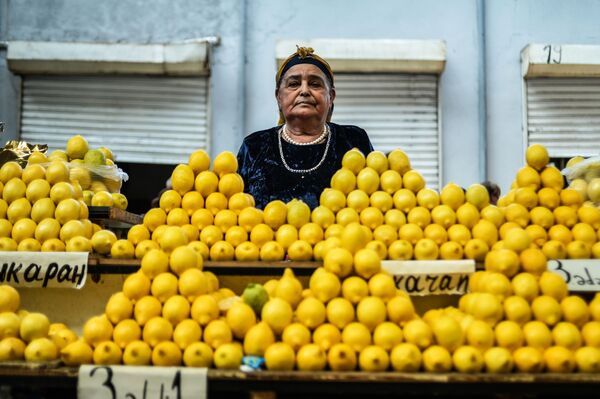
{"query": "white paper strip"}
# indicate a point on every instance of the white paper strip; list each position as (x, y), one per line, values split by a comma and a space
(582, 275)
(431, 277)
(112, 382)
(44, 269)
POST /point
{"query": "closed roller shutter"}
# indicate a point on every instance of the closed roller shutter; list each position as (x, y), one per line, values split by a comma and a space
(397, 111)
(158, 120)
(563, 114)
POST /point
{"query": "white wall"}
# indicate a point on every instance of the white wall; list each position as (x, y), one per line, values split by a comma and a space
(511, 25)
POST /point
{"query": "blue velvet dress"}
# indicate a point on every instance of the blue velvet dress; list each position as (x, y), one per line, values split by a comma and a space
(267, 179)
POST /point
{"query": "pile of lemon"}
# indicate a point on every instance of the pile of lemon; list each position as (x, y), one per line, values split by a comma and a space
(208, 210)
(93, 169)
(543, 218)
(168, 313)
(29, 336)
(42, 209)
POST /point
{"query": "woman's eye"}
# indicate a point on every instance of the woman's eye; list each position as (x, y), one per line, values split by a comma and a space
(293, 84)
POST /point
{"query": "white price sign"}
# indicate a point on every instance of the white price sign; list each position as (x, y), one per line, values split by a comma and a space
(431, 277)
(581, 275)
(132, 382)
(44, 269)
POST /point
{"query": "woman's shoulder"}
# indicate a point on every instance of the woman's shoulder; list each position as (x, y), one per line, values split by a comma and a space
(354, 135)
(259, 136)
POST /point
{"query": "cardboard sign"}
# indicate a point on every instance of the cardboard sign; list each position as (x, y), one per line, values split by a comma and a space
(582, 275)
(431, 277)
(44, 269)
(133, 382)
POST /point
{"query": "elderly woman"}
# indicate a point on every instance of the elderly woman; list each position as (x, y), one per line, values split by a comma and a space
(297, 158)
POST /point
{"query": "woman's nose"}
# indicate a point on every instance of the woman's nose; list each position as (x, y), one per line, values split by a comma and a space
(304, 87)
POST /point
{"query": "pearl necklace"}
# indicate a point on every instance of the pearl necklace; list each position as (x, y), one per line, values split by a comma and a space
(303, 171)
(289, 138)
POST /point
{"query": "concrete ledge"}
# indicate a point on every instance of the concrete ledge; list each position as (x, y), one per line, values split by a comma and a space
(560, 60)
(26, 57)
(373, 55)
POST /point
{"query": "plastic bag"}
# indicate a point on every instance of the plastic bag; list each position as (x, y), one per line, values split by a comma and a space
(587, 169)
(95, 177)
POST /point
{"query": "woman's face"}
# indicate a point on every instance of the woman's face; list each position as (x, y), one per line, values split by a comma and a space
(304, 94)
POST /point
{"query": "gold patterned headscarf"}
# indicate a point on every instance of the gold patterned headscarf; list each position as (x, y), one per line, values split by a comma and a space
(303, 55)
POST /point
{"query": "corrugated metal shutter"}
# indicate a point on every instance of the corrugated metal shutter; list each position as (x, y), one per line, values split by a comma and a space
(141, 119)
(397, 111)
(563, 114)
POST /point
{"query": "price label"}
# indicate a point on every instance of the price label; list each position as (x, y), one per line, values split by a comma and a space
(582, 275)
(44, 269)
(431, 277)
(131, 382)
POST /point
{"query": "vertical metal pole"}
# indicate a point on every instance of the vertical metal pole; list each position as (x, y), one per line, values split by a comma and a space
(482, 86)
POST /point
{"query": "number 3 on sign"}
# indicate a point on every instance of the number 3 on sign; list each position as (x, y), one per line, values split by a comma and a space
(128, 382)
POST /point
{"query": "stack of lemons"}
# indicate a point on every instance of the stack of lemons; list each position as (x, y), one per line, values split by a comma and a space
(404, 219)
(351, 316)
(168, 313)
(208, 211)
(41, 209)
(28, 336)
(95, 171)
(543, 217)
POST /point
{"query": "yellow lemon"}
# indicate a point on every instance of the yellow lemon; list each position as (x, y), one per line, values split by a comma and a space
(552, 178)
(258, 338)
(528, 177)
(277, 313)
(452, 195)
(390, 181)
(406, 357)
(322, 216)
(341, 357)
(437, 359)
(377, 161)
(413, 181)
(537, 156)
(354, 289)
(343, 180)
(231, 184)
(330, 198)
(228, 356)
(164, 286)
(354, 160)
(546, 309)
(206, 183)
(225, 162)
(367, 180)
(280, 356)
(537, 335)
(357, 336)
(199, 161)
(275, 214)
(467, 359)
(559, 359)
(528, 360)
(398, 161)
(146, 308)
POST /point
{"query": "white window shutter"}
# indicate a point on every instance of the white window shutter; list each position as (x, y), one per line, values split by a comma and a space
(158, 120)
(397, 111)
(563, 114)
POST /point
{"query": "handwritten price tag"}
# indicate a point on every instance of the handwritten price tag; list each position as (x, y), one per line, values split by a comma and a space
(44, 269)
(129, 382)
(582, 275)
(431, 277)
